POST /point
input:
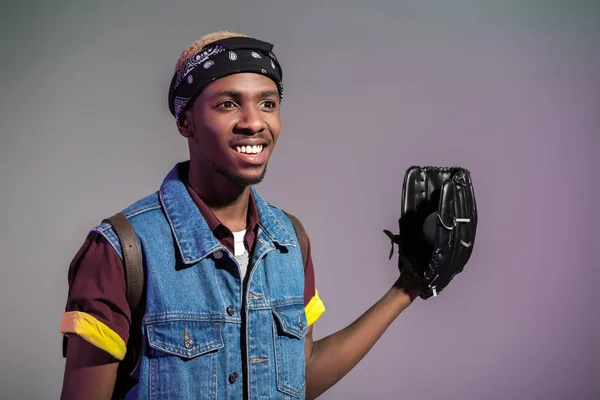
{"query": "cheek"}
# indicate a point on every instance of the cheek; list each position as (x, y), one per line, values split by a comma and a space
(275, 127)
(212, 134)
(275, 136)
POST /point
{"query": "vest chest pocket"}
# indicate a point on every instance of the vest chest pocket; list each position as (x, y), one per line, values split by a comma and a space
(289, 330)
(183, 358)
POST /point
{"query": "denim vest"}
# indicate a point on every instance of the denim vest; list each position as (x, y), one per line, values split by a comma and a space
(206, 336)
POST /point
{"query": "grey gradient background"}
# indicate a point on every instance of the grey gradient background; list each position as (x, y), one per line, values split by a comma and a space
(508, 89)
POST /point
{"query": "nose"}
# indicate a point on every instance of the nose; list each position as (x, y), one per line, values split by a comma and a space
(251, 121)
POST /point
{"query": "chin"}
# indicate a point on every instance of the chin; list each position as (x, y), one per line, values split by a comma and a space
(245, 179)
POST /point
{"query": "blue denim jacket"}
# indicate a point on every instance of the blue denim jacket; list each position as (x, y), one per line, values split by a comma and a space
(205, 335)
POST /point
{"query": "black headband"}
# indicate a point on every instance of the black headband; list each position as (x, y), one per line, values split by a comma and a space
(218, 59)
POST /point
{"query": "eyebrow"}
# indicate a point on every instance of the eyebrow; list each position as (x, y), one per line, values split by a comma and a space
(237, 95)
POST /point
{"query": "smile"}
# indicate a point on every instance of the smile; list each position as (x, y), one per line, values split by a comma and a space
(251, 155)
(249, 149)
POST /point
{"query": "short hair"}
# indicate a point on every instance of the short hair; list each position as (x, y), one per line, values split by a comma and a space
(202, 42)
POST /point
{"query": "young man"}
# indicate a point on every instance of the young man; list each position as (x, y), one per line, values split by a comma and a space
(229, 303)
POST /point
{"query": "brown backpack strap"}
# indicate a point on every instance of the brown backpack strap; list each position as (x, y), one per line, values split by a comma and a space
(302, 236)
(132, 259)
(134, 273)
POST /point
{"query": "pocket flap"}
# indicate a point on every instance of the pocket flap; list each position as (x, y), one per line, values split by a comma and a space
(292, 319)
(185, 338)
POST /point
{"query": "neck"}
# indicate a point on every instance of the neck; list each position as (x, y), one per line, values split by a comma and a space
(227, 200)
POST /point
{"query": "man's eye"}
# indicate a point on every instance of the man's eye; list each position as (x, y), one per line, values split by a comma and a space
(226, 104)
(270, 104)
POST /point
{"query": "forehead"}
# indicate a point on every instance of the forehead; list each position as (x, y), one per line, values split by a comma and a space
(246, 84)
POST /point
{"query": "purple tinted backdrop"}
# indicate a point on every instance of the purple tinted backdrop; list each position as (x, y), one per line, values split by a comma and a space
(507, 89)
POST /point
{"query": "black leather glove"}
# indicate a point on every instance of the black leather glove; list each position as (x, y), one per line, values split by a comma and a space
(438, 222)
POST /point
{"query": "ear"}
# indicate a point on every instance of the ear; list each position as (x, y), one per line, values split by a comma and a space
(185, 125)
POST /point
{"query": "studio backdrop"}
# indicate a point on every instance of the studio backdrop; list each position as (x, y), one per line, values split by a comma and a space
(508, 89)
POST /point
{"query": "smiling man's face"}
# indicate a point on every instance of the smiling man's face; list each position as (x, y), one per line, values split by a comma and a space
(235, 123)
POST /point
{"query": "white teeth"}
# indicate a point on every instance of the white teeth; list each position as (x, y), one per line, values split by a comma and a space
(249, 149)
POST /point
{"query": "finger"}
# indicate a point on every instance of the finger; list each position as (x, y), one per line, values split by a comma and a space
(469, 228)
(413, 189)
(445, 213)
(472, 204)
(445, 224)
(413, 196)
(462, 239)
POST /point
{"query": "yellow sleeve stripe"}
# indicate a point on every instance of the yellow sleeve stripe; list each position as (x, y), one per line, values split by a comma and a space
(314, 309)
(93, 331)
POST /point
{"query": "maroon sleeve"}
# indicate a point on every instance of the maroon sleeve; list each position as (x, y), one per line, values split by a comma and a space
(97, 285)
(309, 276)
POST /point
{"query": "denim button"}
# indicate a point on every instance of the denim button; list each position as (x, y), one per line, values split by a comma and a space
(233, 377)
(230, 311)
(218, 254)
(187, 342)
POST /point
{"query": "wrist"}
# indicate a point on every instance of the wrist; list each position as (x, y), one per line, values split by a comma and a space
(406, 287)
(396, 300)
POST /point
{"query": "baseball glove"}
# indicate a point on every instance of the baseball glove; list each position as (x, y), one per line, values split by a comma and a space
(437, 224)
